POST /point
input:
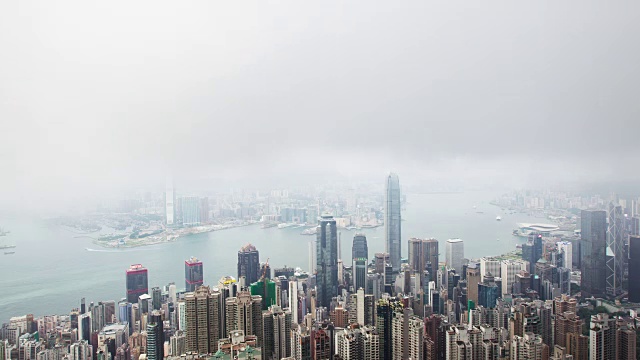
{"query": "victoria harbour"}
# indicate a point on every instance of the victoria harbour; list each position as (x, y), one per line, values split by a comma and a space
(52, 267)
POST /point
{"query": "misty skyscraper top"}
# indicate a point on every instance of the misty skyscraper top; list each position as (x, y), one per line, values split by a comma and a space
(392, 220)
(360, 248)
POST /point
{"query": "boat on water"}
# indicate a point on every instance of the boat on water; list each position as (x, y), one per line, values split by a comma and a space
(310, 231)
(285, 225)
(9, 252)
(2, 247)
(498, 218)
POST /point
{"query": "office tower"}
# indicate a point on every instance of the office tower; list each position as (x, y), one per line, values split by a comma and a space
(190, 211)
(249, 264)
(593, 226)
(380, 261)
(424, 255)
(616, 259)
(489, 265)
(359, 271)
(635, 225)
(124, 312)
(244, 312)
(169, 201)
(202, 315)
(155, 341)
(392, 221)
(473, 280)
(204, 210)
(566, 247)
(193, 275)
(528, 347)
(276, 333)
(137, 282)
(634, 268)
(455, 254)
(156, 298)
(359, 248)
(509, 269)
(602, 337)
(327, 260)
(266, 289)
(488, 292)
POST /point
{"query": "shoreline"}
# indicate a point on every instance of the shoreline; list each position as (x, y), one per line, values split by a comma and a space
(166, 237)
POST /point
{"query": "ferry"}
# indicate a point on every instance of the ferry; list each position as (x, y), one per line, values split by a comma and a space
(498, 218)
(310, 231)
(9, 252)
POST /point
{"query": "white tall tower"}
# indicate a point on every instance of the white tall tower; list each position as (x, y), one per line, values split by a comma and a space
(455, 254)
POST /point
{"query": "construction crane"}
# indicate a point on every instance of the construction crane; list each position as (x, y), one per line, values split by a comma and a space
(264, 269)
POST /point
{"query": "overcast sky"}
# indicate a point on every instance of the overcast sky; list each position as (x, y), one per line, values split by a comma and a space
(99, 97)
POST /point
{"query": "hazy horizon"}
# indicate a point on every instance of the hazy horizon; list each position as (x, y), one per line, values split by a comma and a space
(101, 99)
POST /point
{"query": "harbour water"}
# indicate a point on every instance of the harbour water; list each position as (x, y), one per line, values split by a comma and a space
(52, 268)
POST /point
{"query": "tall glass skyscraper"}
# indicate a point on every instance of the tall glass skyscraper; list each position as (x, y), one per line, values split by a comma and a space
(137, 282)
(593, 226)
(616, 254)
(392, 221)
(249, 264)
(193, 275)
(326, 260)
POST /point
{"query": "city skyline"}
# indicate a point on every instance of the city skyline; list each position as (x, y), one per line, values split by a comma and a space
(319, 181)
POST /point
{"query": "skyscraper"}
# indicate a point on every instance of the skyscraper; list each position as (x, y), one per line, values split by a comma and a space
(327, 260)
(616, 259)
(455, 254)
(190, 211)
(193, 275)
(566, 248)
(249, 264)
(359, 248)
(392, 221)
(634, 268)
(593, 226)
(423, 255)
(169, 201)
(202, 320)
(359, 271)
(137, 282)
(155, 341)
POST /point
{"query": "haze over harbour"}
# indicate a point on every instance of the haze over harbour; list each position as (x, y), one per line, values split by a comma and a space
(52, 269)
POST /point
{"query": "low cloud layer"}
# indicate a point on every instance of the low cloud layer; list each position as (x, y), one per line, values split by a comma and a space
(101, 98)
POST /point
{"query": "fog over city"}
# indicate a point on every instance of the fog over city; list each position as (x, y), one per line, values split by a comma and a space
(99, 99)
